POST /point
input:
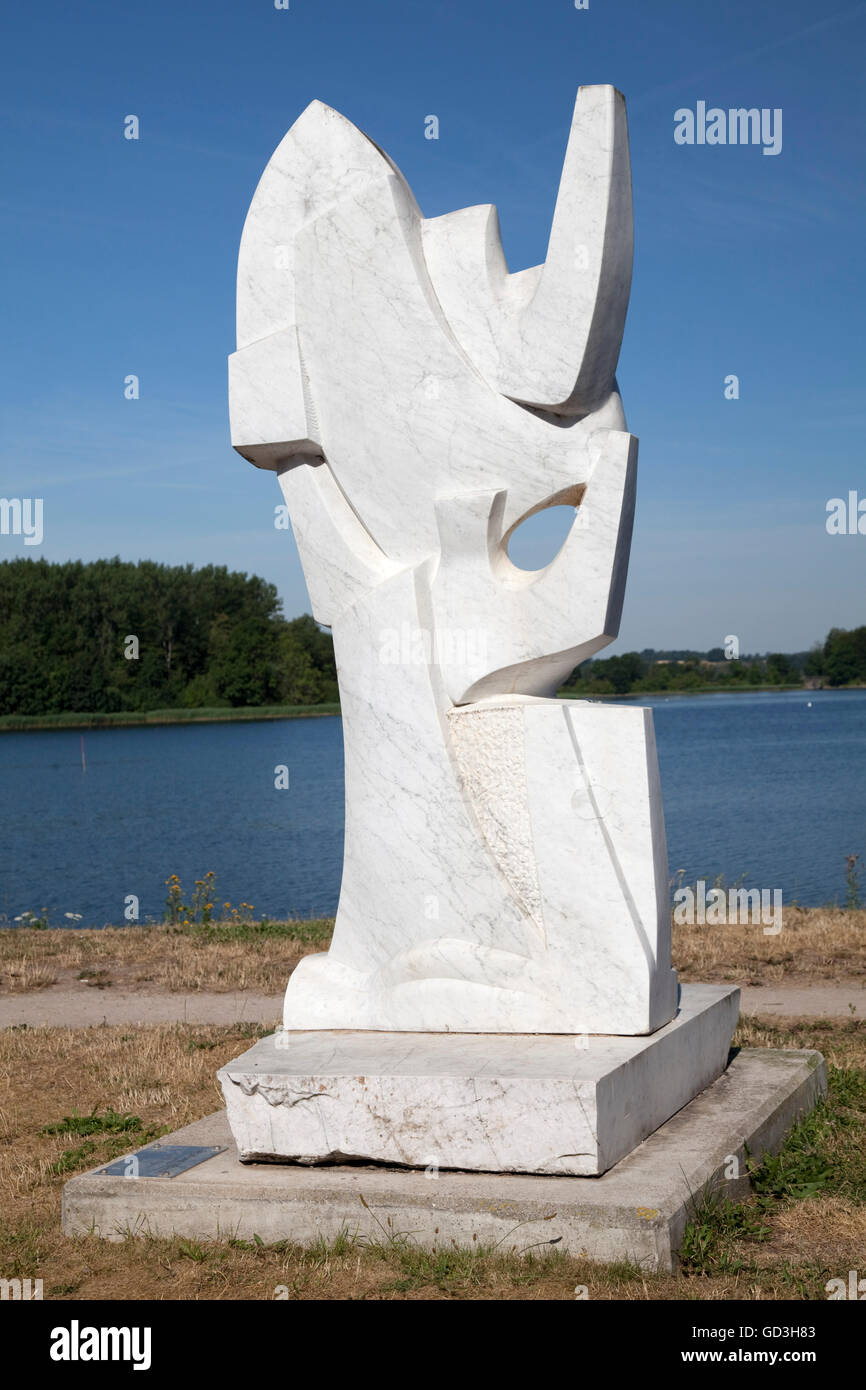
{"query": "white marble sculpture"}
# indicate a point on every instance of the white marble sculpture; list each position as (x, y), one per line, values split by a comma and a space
(505, 865)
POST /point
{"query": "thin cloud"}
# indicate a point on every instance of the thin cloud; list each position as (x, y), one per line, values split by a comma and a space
(654, 92)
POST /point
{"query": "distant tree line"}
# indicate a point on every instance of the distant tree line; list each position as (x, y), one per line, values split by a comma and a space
(212, 638)
(202, 638)
(841, 660)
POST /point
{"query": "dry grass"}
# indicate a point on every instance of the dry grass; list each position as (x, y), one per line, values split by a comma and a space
(165, 1077)
(843, 1044)
(815, 944)
(26, 972)
(832, 1230)
(231, 957)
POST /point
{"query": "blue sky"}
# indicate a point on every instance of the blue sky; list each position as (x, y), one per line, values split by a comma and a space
(120, 258)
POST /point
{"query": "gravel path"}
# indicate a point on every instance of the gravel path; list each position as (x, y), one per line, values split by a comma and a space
(85, 1006)
(826, 1000)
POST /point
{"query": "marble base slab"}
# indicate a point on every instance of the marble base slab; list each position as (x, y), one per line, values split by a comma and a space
(528, 1103)
(636, 1211)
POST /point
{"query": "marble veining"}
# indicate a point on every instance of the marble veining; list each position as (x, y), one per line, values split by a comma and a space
(505, 868)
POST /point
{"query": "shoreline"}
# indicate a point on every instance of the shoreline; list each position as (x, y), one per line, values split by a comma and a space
(700, 690)
(41, 723)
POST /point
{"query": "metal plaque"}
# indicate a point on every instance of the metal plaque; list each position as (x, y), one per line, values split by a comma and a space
(160, 1161)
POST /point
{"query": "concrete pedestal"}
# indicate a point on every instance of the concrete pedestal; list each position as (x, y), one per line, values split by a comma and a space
(636, 1211)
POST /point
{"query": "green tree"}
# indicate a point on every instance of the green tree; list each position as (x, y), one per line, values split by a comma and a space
(845, 656)
(779, 669)
(205, 637)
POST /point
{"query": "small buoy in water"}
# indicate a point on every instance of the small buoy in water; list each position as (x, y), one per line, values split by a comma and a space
(808, 704)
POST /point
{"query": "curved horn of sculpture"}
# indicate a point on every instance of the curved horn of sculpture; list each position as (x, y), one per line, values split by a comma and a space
(549, 337)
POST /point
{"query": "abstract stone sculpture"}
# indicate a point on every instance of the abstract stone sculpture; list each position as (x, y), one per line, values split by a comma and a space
(505, 868)
(505, 865)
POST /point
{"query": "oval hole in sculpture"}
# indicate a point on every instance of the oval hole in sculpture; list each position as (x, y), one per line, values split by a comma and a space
(538, 540)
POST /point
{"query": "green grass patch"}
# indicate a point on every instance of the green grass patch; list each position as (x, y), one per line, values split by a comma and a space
(824, 1153)
(712, 1236)
(315, 931)
(73, 1159)
(109, 1142)
(826, 1150)
(109, 1123)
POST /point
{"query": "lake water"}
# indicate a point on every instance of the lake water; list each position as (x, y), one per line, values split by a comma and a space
(765, 788)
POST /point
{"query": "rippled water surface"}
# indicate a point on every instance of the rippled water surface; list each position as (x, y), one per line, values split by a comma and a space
(767, 788)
